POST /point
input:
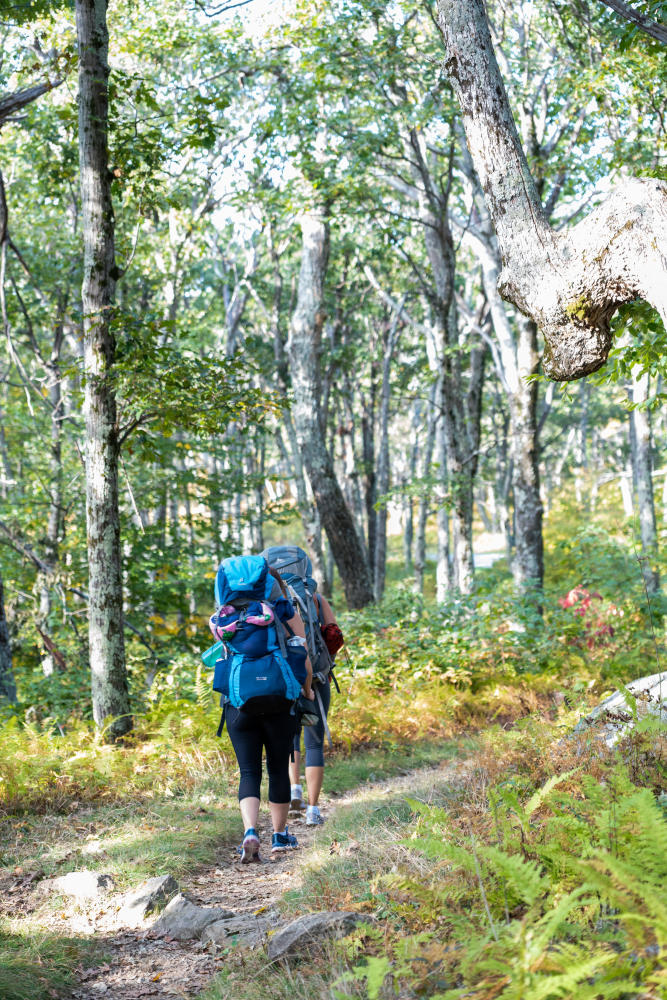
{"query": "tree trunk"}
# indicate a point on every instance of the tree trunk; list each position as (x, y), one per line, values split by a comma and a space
(528, 563)
(310, 518)
(370, 478)
(302, 348)
(569, 283)
(106, 640)
(642, 469)
(7, 685)
(516, 358)
(308, 512)
(380, 555)
(409, 506)
(257, 521)
(445, 354)
(351, 462)
(424, 504)
(55, 515)
(580, 480)
(444, 568)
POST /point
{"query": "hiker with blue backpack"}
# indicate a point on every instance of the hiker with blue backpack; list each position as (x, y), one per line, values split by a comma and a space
(323, 638)
(264, 676)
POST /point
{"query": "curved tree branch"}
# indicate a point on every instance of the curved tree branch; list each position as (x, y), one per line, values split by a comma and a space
(645, 24)
(572, 282)
(11, 103)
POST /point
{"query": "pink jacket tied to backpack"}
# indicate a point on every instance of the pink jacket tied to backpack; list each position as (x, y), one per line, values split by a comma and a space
(225, 631)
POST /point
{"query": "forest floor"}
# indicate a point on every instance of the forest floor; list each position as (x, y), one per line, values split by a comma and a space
(134, 964)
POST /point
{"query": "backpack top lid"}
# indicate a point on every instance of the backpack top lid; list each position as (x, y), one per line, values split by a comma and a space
(290, 561)
(242, 577)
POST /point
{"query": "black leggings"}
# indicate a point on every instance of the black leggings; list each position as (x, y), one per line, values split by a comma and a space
(249, 735)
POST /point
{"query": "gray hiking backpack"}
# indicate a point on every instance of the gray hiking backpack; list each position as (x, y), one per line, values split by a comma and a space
(295, 568)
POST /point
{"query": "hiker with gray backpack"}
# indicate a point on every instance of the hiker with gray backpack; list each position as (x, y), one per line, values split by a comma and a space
(323, 638)
(263, 674)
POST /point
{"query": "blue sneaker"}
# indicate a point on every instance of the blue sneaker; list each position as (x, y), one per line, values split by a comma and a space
(283, 842)
(250, 847)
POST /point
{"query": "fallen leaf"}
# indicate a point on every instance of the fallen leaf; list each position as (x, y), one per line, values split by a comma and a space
(157, 976)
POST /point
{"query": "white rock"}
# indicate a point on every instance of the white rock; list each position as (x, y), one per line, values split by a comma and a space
(151, 895)
(614, 717)
(82, 885)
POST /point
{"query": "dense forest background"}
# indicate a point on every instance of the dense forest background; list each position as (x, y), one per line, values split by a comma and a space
(251, 263)
(410, 414)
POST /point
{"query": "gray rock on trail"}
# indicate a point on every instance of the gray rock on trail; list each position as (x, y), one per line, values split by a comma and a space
(183, 920)
(82, 885)
(246, 930)
(613, 718)
(149, 897)
(311, 928)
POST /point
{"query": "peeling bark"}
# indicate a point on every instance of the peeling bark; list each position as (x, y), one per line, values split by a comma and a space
(570, 284)
(106, 639)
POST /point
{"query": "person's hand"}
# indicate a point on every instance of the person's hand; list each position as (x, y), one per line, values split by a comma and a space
(309, 693)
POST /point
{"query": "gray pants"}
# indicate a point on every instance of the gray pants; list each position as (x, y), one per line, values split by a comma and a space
(313, 736)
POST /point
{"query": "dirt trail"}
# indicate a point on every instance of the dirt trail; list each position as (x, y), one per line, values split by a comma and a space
(144, 967)
(141, 966)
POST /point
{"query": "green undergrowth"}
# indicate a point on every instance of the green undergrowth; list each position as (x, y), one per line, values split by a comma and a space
(534, 871)
(35, 965)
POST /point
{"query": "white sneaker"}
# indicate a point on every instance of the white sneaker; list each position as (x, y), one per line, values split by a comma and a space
(314, 816)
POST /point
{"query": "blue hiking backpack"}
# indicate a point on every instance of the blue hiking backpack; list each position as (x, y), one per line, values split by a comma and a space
(253, 674)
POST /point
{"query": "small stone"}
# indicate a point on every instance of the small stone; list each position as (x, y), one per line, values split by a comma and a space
(245, 930)
(183, 920)
(306, 931)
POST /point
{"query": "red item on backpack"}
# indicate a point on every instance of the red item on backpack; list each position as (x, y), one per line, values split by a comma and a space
(333, 637)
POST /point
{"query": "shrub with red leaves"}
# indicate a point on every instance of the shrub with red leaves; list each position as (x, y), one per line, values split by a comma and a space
(598, 629)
